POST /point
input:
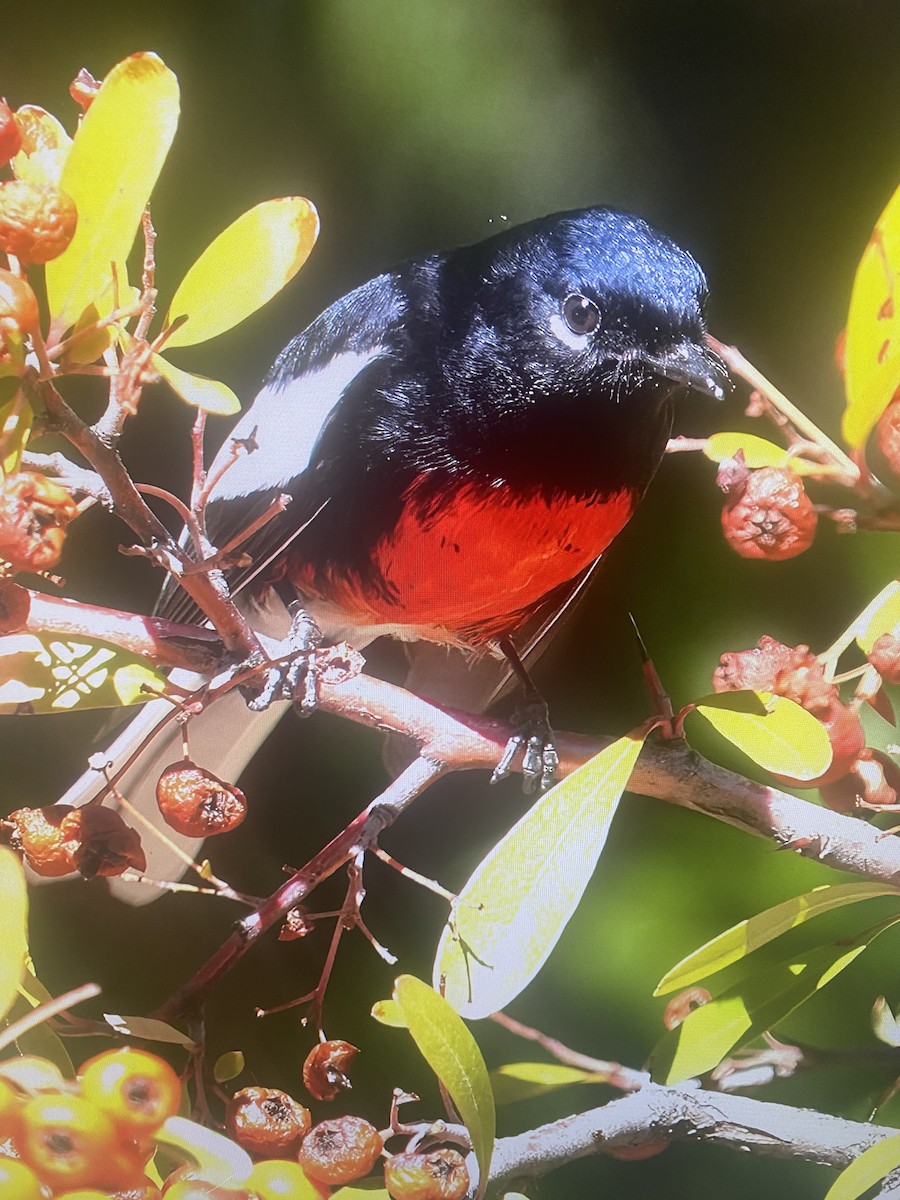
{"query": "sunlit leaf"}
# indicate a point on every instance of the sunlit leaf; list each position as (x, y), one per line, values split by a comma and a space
(110, 171)
(776, 733)
(524, 1080)
(13, 927)
(208, 394)
(369, 1189)
(866, 1170)
(389, 1012)
(757, 1003)
(88, 341)
(514, 908)
(882, 615)
(757, 451)
(40, 1042)
(745, 937)
(221, 1160)
(452, 1053)
(243, 268)
(45, 145)
(885, 1025)
(872, 345)
(47, 674)
(228, 1066)
(149, 1029)
(16, 419)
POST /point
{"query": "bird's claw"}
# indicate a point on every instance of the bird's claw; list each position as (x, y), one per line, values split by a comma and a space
(534, 740)
(297, 679)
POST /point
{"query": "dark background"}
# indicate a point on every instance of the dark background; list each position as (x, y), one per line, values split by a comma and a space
(763, 136)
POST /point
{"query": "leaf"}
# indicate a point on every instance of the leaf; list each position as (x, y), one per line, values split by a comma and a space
(221, 1160)
(39, 1043)
(45, 146)
(365, 1190)
(752, 1006)
(884, 1024)
(243, 268)
(872, 344)
(228, 1066)
(882, 615)
(783, 738)
(865, 1171)
(208, 394)
(757, 451)
(45, 674)
(522, 1081)
(745, 937)
(16, 419)
(452, 1053)
(514, 908)
(389, 1012)
(149, 1029)
(110, 171)
(13, 927)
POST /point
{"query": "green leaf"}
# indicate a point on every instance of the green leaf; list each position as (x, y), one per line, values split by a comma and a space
(781, 737)
(16, 419)
(228, 1066)
(110, 171)
(872, 344)
(757, 451)
(243, 268)
(514, 908)
(40, 1042)
(755, 1004)
(522, 1081)
(149, 1029)
(46, 674)
(389, 1012)
(211, 395)
(452, 1053)
(882, 615)
(745, 937)
(13, 927)
(866, 1170)
(365, 1190)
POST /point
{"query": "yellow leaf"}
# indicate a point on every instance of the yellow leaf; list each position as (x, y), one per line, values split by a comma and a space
(757, 451)
(13, 927)
(110, 171)
(208, 394)
(776, 733)
(865, 1171)
(881, 616)
(243, 268)
(45, 146)
(872, 348)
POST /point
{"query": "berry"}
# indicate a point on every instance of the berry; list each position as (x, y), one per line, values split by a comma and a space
(340, 1150)
(18, 1181)
(326, 1067)
(195, 802)
(11, 1105)
(885, 657)
(266, 1122)
(10, 138)
(137, 1090)
(38, 834)
(59, 839)
(279, 1178)
(767, 513)
(18, 303)
(34, 515)
(875, 778)
(69, 1143)
(440, 1175)
(37, 221)
(887, 434)
(754, 669)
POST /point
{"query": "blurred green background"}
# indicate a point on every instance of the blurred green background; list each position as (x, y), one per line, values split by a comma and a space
(765, 137)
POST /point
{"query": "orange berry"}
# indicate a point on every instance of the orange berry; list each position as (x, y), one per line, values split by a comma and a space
(18, 1181)
(10, 138)
(137, 1090)
(37, 221)
(279, 1178)
(197, 803)
(266, 1121)
(34, 514)
(69, 1142)
(325, 1069)
(440, 1175)
(18, 303)
(38, 834)
(105, 845)
(340, 1150)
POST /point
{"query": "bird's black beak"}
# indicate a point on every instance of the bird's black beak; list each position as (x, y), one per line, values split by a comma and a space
(693, 366)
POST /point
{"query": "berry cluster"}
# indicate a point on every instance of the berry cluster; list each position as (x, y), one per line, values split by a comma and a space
(767, 513)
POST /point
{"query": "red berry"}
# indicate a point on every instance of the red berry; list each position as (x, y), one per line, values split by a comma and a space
(875, 778)
(885, 657)
(341, 1150)
(197, 803)
(37, 221)
(34, 515)
(326, 1067)
(137, 1090)
(266, 1121)
(440, 1175)
(887, 434)
(10, 138)
(767, 514)
(754, 669)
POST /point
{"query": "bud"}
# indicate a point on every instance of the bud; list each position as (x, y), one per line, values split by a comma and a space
(767, 514)
(197, 803)
(37, 221)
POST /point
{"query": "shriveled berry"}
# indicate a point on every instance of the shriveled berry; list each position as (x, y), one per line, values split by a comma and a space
(440, 1175)
(106, 845)
(18, 1181)
(885, 657)
(340, 1150)
(266, 1122)
(297, 924)
(136, 1089)
(768, 514)
(325, 1069)
(10, 138)
(18, 303)
(874, 779)
(198, 803)
(755, 669)
(280, 1179)
(68, 1142)
(37, 221)
(802, 679)
(681, 1006)
(38, 834)
(887, 434)
(35, 513)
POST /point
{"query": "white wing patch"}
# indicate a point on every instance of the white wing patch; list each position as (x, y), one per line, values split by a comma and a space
(288, 419)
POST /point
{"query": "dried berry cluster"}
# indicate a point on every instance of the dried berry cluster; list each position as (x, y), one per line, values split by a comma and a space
(857, 772)
(767, 513)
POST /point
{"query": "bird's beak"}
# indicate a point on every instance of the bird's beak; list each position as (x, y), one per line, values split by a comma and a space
(693, 366)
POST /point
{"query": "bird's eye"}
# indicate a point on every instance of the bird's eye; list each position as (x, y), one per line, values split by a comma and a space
(580, 314)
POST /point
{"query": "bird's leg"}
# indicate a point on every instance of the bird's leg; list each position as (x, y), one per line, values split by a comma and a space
(534, 737)
(297, 678)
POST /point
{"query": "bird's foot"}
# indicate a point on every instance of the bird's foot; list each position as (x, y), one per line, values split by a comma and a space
(535, 741)
(296, 678)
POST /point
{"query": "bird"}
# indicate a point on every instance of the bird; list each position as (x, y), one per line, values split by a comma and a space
(461, 438)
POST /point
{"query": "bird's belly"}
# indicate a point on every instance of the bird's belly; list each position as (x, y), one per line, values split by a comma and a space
(475, 564)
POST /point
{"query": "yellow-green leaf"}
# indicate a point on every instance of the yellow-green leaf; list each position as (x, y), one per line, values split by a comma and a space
(110, 171)
(208, 394)
(452, 1053)
(515, 906)
(46, 674)
(389, 1012)
(882, 615)
(884, 1024)
(222, 1161)
(872, 346)
(524, 1080)
(228, 1066)
(16, 419)
(148, 1028)
(45, 145)
(776, 733)
(13, 927)
(243, 268)
(367, 1189)
(745, 937)
(40, 1042)
(866, 1170)
(757, 451)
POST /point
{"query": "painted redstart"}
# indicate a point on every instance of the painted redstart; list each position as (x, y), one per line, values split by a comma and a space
(462, 438)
